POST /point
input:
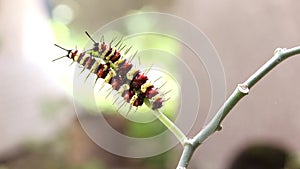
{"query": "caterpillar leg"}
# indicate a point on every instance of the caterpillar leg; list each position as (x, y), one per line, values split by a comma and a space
(130, 107)
(121, 47)
(163, 85)
(119, 42)
(88, 76)
(102, 86)
(102, 39)
(95, 81)
(82, 70)
(116, 100)
(112, 40)
(132, 56)
(157, 79)
(120, 101)
(164, 93)
(167, 99)
(109, 92)
(127, 50)
(136, 109)
(121, 105)
(72, 63)
(148, 70)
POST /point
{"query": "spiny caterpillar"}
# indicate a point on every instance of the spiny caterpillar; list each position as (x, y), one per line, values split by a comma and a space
(108, 62)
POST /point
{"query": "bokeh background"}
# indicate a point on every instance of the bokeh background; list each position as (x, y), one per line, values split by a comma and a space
(38, 124)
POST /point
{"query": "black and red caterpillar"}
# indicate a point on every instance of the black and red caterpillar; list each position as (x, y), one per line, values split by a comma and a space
(108, 62)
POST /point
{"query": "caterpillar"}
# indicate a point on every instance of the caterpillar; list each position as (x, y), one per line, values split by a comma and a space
(110, 63)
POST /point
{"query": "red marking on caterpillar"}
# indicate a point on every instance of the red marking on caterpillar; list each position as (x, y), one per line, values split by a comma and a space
(109, 62)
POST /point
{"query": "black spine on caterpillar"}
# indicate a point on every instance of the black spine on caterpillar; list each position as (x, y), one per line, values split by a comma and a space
(118, 72)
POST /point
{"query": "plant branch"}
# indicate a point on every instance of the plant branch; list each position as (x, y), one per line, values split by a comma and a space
(241, 90)
(171, 126)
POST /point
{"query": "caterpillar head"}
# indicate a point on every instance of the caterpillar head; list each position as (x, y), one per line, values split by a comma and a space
(71, 53)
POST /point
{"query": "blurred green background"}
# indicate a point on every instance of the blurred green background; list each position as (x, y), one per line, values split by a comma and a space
(38, 125)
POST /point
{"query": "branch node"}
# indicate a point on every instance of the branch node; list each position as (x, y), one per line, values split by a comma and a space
(243, 88)
(219, 128)
(279, 50)
(188, 141)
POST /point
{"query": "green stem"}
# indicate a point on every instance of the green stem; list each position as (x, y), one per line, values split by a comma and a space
(170, 125)
(241, 90)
